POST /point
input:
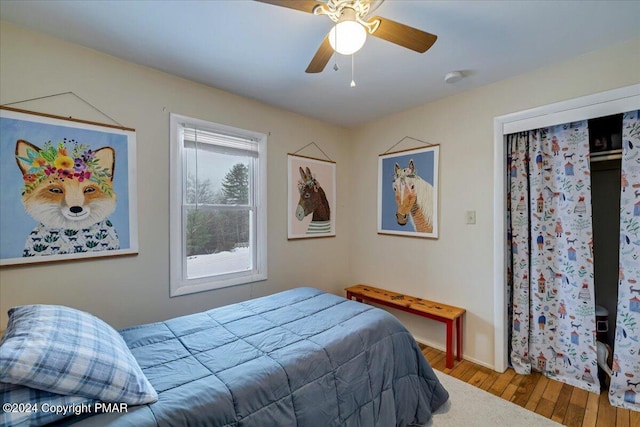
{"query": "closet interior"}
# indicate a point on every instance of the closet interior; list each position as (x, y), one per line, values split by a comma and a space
(605, 142)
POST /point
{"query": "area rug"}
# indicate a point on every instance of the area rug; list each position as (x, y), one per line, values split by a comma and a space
(471, 406)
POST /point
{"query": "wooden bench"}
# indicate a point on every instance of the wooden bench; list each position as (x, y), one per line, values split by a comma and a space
(430, 309)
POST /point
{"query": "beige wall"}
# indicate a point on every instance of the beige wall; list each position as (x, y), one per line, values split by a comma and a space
(131, 290)
(458, 267)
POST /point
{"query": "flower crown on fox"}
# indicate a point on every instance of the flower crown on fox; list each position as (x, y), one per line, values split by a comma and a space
(55, 162)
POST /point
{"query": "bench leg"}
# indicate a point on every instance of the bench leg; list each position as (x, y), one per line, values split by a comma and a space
(459, 335)
(350, 296)
(449, 363)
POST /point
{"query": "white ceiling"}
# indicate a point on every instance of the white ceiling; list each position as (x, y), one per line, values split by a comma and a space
(260, 51)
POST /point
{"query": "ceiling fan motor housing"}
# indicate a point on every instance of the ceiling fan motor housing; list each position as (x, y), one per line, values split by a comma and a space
(335, 9)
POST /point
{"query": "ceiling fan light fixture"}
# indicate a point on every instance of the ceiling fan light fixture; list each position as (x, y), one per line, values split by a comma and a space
(347, 37)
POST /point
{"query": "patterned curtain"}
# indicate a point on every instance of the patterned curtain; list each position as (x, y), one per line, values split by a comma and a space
(552, 310)
(625, 383)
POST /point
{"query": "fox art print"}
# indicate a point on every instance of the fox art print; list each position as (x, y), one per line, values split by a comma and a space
(69, 192)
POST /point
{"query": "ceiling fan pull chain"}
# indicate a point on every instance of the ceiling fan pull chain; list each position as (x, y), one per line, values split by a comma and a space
(353, 82)
(335, 52)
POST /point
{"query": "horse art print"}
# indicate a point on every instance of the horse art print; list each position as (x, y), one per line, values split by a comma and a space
(408, 193)
(414, 198)
(311, 201)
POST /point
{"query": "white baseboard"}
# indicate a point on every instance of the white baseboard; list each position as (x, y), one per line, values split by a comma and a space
(464, 356)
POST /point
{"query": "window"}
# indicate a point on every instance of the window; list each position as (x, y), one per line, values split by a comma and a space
(218, 206)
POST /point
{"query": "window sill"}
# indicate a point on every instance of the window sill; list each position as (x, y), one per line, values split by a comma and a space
(207, 284)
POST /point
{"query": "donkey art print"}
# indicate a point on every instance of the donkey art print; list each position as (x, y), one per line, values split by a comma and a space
(311, 198)
(409, 201)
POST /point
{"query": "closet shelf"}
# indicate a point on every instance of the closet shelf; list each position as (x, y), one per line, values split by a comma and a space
(606, 155)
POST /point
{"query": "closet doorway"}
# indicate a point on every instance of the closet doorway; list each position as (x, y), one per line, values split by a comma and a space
(588, 107)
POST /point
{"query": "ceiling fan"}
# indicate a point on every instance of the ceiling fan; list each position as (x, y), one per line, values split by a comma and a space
(354, 14)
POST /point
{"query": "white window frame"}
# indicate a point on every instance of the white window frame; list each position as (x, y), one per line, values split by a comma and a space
(179, 283)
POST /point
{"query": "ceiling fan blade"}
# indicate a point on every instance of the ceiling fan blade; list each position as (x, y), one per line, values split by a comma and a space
(403, 35)
(321, 58)
(301, 5)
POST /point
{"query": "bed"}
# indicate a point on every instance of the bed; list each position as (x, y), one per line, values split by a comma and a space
(299, 357)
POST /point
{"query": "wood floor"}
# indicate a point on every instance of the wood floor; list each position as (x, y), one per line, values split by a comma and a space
(563, 403)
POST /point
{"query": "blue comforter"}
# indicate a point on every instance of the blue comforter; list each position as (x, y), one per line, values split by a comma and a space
(301, 357)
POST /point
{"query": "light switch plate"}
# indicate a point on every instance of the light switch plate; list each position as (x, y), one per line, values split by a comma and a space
(471, 217)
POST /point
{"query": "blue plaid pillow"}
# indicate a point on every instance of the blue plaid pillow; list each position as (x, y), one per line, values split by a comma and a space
(26, 407)
(66, 351)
